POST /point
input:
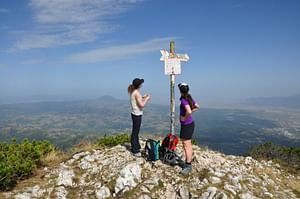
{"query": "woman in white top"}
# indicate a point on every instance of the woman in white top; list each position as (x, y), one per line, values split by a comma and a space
(137, 102)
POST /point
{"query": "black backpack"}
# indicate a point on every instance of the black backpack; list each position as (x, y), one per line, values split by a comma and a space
(171, 158)
(167, 151)
(151, 151)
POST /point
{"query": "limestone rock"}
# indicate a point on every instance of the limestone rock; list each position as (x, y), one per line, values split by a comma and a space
(103, 193)
(184, 193)
(144, 197)
(115, 173)
(23, 196)
(61, 192)
(129, 177)
(65, 176)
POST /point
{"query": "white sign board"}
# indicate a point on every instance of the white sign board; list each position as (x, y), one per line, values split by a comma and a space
(172, 66)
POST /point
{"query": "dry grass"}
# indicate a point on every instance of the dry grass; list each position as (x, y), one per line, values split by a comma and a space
(294, 184)
(281, 179)
(82, 146)
(53, 158)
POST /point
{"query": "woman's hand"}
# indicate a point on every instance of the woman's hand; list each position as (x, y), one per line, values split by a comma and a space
(195, 107)
(182, 118)
(146, 97)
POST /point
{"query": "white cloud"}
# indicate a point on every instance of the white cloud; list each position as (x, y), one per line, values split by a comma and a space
(3, 10)
(32, 62)
(65, 22)
(119, 52)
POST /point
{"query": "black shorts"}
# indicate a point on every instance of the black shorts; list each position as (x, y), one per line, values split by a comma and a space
(186, 131)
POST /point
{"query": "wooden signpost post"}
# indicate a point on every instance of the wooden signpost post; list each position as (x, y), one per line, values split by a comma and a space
(172, 67)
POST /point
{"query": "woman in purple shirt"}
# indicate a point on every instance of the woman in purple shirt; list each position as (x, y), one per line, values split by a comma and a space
(187, 107)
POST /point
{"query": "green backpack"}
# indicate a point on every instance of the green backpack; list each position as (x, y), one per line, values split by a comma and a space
(152, 150)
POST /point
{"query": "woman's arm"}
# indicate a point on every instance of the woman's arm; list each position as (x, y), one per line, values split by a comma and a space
(188, 112)
(141, 101)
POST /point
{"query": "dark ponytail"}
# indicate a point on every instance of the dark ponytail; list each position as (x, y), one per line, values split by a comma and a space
(130, 88)
(189, 98)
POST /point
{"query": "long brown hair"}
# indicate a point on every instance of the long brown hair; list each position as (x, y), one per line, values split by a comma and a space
(188, 97)
(130, 88)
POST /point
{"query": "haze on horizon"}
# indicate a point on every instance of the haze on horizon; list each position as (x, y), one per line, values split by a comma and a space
(86, 49)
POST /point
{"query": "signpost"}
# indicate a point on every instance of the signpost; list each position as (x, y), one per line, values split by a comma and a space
(172, 68)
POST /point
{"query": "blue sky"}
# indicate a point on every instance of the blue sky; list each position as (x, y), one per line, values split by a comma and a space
(89, 48)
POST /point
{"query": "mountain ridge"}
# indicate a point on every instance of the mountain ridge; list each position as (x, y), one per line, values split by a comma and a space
(292, 101)
(66, 123)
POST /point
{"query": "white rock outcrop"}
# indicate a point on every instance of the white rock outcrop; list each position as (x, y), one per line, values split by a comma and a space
(129, 177)
(115, 173)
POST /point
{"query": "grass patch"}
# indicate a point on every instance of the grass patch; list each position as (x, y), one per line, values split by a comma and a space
(110, 141)
(111, 185)
(160, 183)
(53, 158)
(288, 157)
(194, 142)
(204, 173)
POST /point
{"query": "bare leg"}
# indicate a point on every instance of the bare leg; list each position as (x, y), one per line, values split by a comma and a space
(187, 147)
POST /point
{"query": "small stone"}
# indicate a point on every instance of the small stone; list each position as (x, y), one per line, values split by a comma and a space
(219, 174)
(144, 189)
(103, 193)
(170, 192)
(268, 194)
(212, 192)
(214, 180)
(221, 196)
(247, 196)
(230, 188)
(248, 160)
(23, 196)
(144, 197)
(184, 192)
(84, 164)
(205, 195)
(61, 192)
(204, 181)
(36, 191)
(78, 155)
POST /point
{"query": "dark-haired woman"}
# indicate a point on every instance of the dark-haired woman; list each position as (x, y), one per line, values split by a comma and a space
(187, 107)
(137, 102)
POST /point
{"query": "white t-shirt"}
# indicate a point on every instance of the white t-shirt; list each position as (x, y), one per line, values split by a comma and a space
(135, 110)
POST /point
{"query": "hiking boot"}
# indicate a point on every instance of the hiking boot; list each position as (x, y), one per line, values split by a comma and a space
(138, 154)
(186, 169)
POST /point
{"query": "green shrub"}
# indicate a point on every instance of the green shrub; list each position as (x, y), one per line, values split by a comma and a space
(18, 161)
(287, 156)
(110, 141)
(194, 142)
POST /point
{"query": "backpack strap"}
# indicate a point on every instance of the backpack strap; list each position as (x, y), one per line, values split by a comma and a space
(147, 149)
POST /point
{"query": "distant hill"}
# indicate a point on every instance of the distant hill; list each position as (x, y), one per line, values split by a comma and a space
(287, 102)
(66, 123)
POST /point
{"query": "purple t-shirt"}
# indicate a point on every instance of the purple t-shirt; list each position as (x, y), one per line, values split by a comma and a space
(183, 103)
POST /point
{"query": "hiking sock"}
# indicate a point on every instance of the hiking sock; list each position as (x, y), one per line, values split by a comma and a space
(189, 164)
(187, 168)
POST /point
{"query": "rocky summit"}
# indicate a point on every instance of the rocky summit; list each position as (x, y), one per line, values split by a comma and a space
(116, 173)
